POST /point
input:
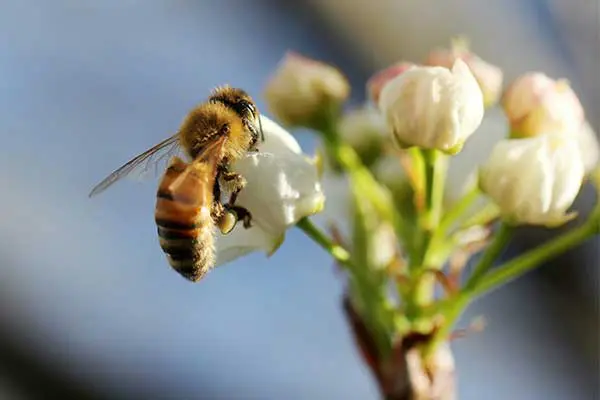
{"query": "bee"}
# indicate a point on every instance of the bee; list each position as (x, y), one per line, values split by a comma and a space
(189, 204)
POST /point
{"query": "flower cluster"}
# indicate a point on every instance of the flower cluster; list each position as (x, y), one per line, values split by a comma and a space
(391, 155)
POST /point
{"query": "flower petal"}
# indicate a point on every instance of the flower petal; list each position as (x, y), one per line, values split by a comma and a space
(280, 189)
(241, 242)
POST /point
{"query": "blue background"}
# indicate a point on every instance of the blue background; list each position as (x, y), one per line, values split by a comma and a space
(84, 287)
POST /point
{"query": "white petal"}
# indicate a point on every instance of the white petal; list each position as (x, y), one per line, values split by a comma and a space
(280, 189)
(277, 139)
(337, 207)
(241, 242)
(589, 147)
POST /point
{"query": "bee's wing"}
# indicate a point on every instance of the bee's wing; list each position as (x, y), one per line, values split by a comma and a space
(206, 163)
(140, 165)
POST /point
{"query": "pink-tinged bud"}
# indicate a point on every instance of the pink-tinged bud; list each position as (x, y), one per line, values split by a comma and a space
(303, 90)
(380, 78)
(488, 76)
(536, 104)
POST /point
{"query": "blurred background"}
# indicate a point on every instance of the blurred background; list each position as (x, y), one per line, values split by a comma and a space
(88, 305)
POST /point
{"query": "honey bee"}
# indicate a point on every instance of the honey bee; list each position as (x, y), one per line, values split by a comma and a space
(189, 204)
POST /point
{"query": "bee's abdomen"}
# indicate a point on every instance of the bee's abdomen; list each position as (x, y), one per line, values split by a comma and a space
(185, 228)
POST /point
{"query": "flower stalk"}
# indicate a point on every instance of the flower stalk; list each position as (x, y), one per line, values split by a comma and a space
(336, 251)
(490, 255)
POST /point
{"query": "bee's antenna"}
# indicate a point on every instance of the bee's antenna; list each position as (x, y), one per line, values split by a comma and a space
(262, 134)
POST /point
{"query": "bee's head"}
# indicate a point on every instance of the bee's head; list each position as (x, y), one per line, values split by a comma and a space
(240, 102)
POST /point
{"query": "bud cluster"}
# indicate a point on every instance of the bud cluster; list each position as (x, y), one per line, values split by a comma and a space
(383, 166)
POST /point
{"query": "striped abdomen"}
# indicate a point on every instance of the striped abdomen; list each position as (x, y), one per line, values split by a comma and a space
(183, 218)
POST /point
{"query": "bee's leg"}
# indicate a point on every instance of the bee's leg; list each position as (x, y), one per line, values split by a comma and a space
(236, 182)
(224, 218)
(241, 213)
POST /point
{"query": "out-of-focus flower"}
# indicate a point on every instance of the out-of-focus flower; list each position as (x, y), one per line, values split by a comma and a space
(487, 75)
(302, 89)
(383, 245)
(534, 180)
(589, 147)
(389, 171)
(433, 107)
(365, 130)
(338, 205)
(536, 104)
(282, 187)
(376, 82)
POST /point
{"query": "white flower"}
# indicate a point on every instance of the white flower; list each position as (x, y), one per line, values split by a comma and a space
(433, 107)
(365, 130)
(338, 205)
(536, 104)
(282, 187)
(301, 88)
(389, 171)
(534, 180)
(589, 147)
(383, 245)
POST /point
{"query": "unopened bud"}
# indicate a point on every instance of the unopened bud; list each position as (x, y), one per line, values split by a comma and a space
(535, 180)
(365, 130)
(433, 107)
(303, 90)
(536, 104)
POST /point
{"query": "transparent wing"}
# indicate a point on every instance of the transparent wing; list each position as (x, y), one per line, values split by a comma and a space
(207, 161)
(153, 159)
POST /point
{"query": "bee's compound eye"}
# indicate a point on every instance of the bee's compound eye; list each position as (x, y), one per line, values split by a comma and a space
(227, 222)
(246, 107)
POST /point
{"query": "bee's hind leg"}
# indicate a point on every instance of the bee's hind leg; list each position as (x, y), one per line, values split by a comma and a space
(236, 182)
(241, 213)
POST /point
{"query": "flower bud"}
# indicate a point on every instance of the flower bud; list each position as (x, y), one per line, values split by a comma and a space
(376, 83)
(365, 130)
(487, 75)
(389, 171)
(536, 104)
(302, 90)
(534, 180)
(433, 107)
(589, 147)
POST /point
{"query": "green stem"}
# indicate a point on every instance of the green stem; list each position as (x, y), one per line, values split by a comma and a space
(340, 254)
(438, 162)
(526, 262)
(492, 252)
(435, 177)
(510, 270)
(362, 177)
(484, 216)
(458, 209)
